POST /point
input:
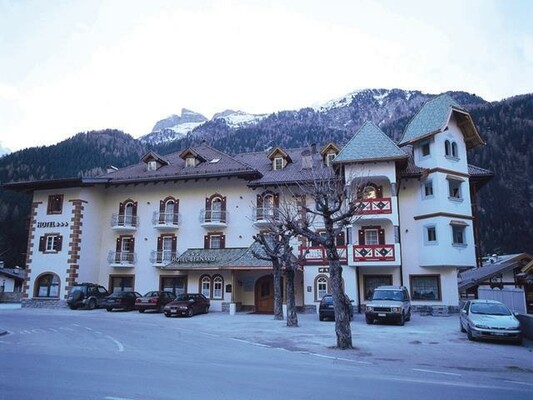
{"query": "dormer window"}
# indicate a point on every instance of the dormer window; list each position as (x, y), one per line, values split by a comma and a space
(152, 165)
(190, 162)
(329, 159)
(278, 163)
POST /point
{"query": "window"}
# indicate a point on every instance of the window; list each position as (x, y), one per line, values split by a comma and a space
(166, 248)
(321, 287)
(121, 283)
(454, 189)
(371, 282)
(371, 236)
(447, 148)
(450, 149)
(215, 208)
(278, 163)
(214, 240)
(428, 189)
(205, 286)
(369, 192)
(454, 150)
(47, 285)
(55, 204)
(424, 148)
(458, 234)
(425, 287)
(127, 213)
(50, 243)
(175, 284)
(190, 162)
(125, 250)
(430, 234)
(152, 165)
(218, 285)
(329, 159)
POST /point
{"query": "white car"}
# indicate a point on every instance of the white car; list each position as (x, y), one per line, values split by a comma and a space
(489, 319)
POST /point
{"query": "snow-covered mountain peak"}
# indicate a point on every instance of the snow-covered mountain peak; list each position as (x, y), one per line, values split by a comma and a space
(237, 119)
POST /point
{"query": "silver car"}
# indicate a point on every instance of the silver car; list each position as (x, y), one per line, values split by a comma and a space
(489, 319)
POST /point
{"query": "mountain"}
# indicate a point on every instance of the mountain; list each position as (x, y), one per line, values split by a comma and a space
(506, 203)
(174, 127)
(4, 151)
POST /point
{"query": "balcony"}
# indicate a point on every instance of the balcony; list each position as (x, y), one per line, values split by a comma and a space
(264, 216)
(374, 252)
(316, 255)
(124, 222)
(162, 258)
(165, 221)
(121, 259)
(375, 206)
(214, 219)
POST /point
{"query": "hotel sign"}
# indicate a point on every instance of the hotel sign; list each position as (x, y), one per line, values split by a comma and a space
(196, 258)
(52, 224)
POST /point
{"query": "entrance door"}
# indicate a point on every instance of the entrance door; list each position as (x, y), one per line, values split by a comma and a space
(264, 295)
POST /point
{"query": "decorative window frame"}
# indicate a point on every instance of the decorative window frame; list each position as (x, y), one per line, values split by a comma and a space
(366, 278)
(453, 185)
(278, 163)
(53, 239)
(458, 228)
(55, 282)
(111, 285)
(207, 280)
(217, 279)
(428, 183)
(427, 236)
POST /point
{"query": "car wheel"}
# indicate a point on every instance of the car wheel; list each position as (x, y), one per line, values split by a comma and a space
(141, 310)
(190, 312)
(369, 321)
(167, 315)
(73, 307)
(461, 327)
(109, 309)
(91, 305)
(408, 318)
(402, 320)
(206, 309)
(469, 334)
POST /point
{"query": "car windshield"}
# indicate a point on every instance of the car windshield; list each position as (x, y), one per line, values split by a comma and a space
(489, 309)
(183, 297)
(387, 295)
(327, 299)
(76, 289)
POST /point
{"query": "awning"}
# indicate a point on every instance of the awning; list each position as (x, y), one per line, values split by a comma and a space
(458, 223)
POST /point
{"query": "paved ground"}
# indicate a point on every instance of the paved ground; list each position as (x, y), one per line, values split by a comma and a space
(429, 343)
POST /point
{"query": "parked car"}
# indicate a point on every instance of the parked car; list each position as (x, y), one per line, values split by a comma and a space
(122, 300)
(87, 295)
(326, 309)
(187, 304)
(389, 303)
(154, 300)
(489, 319)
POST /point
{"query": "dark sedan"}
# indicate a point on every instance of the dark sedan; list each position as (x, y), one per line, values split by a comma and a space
(326, 309)
(187, 304)
(154, 300)
(122, 300)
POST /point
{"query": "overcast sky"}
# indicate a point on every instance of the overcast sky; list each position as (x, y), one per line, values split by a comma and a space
(68, 66)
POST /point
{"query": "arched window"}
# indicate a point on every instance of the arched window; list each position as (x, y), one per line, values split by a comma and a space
(129, 213)
(205, 286)
(218, 285)
(447, 149)
(454, 150)
(321, 287)
(47, 285)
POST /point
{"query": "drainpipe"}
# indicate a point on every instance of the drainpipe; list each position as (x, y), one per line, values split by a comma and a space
(399, 230)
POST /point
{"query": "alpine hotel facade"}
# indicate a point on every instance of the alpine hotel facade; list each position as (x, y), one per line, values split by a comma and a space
(184, 222)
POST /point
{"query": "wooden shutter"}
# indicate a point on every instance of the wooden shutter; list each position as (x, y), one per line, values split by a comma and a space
(161, 211)
(176, 211)
(58, 243)
(121, 208)
(379, 192)
(260, 211)
(223, 207)
(341, 240)
(42, 244)
(174, 243)
(222, 241)
(361, 237)
(159, 255)
(134, 210)
(381, 236)
(206, 241)
(132, 245)
(207, 210)
(118, 249)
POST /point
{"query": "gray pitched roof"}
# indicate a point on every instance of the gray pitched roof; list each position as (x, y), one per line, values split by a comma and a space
(216, 164)
(214, 259)
(431, 118)
(369, 144)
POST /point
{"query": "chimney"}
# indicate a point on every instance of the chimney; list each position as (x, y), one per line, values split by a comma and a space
(307, 160)
(313, 148)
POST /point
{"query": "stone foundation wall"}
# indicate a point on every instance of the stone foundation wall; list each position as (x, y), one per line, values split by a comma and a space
(44, 303)
(10, 297)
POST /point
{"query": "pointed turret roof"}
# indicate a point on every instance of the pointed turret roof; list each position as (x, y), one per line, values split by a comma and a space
(369, 144)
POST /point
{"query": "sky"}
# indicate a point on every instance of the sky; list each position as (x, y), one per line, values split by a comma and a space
(69, 66)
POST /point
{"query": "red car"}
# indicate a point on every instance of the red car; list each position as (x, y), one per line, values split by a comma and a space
(187, 304)
(154, 300)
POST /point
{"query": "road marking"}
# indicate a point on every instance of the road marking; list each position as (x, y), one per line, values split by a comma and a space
(53, 330)
(520, 383)
(116, 398)
(67, 329)
(436, 372)
(120, 346)
(252, 343)
(25, 332)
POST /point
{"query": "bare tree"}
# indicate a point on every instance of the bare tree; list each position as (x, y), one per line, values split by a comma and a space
(337, 207)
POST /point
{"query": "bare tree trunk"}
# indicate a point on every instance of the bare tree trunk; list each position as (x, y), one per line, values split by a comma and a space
(343, 329)
(292, 317)
(278, 300)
